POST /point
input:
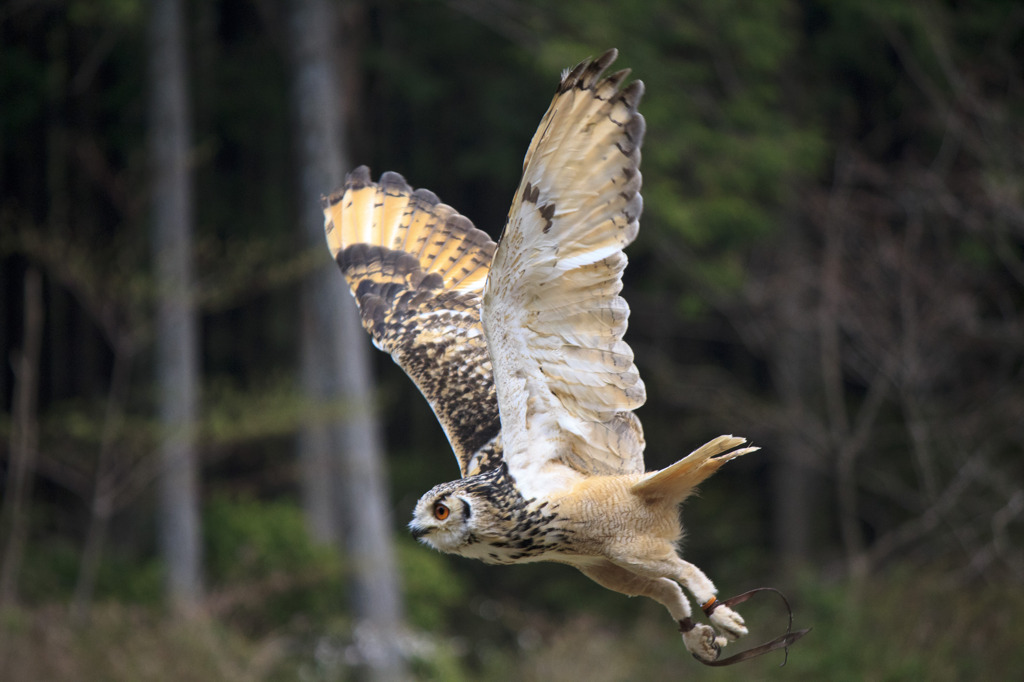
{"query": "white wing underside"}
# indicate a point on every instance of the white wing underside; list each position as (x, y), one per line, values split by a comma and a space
(566, 383)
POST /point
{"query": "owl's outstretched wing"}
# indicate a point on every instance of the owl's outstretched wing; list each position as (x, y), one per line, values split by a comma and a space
(417, 270)
(554, 320)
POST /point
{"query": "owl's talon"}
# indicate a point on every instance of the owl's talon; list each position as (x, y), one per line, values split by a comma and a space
(728, 622)
(701, 640)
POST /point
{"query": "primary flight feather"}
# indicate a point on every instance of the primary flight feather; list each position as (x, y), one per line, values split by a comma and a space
(518, 347)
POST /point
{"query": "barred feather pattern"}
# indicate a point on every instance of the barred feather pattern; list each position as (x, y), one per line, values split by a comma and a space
(417, 268)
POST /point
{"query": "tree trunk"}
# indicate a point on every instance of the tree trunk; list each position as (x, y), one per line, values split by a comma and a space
(177, 362)
(24, 441)
(343, 466)
(792, 360)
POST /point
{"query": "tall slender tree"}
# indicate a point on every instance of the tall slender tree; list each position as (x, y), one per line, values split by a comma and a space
(342, 460)
(177, 359)
(24, 442)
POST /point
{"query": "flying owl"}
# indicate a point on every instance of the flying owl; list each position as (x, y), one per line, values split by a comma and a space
(517, 346)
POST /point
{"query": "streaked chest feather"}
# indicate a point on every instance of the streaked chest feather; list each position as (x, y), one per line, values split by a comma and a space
(526, 532)
(581, 522)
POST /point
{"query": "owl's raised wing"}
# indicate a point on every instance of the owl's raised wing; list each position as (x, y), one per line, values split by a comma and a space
(417, 269)
(554, 320)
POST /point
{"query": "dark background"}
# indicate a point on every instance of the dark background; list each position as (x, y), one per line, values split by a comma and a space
(831, 263)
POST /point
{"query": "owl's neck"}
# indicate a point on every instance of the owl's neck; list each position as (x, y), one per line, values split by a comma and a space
(507, 528)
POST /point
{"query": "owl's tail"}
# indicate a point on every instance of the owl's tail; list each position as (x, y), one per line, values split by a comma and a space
(676, 482)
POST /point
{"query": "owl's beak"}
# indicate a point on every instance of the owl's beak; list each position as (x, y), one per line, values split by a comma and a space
(417, 530)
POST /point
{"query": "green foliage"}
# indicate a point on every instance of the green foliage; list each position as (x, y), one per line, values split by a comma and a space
(434, 592)
(724, 151)
(250, 539)
(130, 580)
(269, 408)
(263, 548)
(904, 624)
(264, 566)
(266, 575)
(121, 643)
(122, 14)
(910, 624)
(49, 570)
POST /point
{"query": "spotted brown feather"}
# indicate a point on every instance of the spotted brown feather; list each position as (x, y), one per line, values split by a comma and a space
(416, 269)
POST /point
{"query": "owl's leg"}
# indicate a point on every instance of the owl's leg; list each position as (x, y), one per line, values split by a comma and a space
(700, 586)
(700, 640)
(670, 565)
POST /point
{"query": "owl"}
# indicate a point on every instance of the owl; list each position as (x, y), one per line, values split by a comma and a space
(518, 347)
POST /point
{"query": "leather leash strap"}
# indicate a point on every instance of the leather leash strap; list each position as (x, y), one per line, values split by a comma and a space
(784, 641)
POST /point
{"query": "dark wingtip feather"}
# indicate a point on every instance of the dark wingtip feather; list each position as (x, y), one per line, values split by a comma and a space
(587, 72)
(358, 178)
(392, 181)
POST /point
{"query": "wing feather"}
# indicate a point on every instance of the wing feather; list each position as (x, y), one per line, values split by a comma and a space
(417, 269)
(565, 379)
(548, 350)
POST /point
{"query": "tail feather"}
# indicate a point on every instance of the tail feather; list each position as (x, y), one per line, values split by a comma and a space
(678, 481)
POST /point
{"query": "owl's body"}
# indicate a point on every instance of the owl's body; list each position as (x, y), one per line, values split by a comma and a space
(518, 348)
(622, 518)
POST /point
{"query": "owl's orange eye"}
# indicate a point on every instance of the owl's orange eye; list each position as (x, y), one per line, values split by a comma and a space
(441, 511)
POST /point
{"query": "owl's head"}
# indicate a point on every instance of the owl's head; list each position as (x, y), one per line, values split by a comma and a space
(446, 517)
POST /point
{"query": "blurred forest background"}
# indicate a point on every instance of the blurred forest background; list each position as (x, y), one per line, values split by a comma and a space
(193, 433)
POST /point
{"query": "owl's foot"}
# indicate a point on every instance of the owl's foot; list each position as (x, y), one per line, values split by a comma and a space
(701, 640)
(728, 622)
(732, 625)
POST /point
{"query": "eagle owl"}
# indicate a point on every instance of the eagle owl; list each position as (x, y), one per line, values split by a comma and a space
(518, 347)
